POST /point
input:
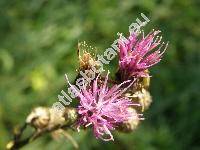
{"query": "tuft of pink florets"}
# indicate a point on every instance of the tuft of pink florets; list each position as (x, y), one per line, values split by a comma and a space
(103, 108)
(136, 55)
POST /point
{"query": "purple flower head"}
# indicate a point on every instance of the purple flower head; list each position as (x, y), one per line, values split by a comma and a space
(137, 55)
(103, 108)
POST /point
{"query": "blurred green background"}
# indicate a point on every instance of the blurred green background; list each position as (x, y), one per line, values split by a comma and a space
(38, 45)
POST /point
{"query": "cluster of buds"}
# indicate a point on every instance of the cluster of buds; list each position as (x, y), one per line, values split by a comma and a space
(44, 118)
(108, 104)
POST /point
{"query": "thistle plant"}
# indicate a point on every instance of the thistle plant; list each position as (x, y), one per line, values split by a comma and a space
(104, 104)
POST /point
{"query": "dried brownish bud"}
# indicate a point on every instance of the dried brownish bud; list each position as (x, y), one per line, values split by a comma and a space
(42, 117)
(86, 60)
(145, 82)
(142, 97)
(142, 82)
(132, 123)
(56, 118)
(39, 117)
(70, 114)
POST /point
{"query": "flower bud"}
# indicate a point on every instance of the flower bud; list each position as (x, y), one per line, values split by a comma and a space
(70, 114)
(132, 123)
(39, 117)
(86, 60)
(43, 117)
(142, 82)
(145, 82)
(142, 97)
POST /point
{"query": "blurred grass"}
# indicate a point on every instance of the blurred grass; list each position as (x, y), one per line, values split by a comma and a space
(38, 41)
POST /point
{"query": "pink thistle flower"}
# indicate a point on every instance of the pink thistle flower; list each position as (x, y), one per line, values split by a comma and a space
(103, 108)
(137, 55)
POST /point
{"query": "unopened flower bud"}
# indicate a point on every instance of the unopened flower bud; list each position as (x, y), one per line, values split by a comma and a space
(142, 82)
(86, 60)
(70, 114)
(39, 117)
(142, 97)
(132, 123)
(145, 82)
(43, 117)
(56, 118)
